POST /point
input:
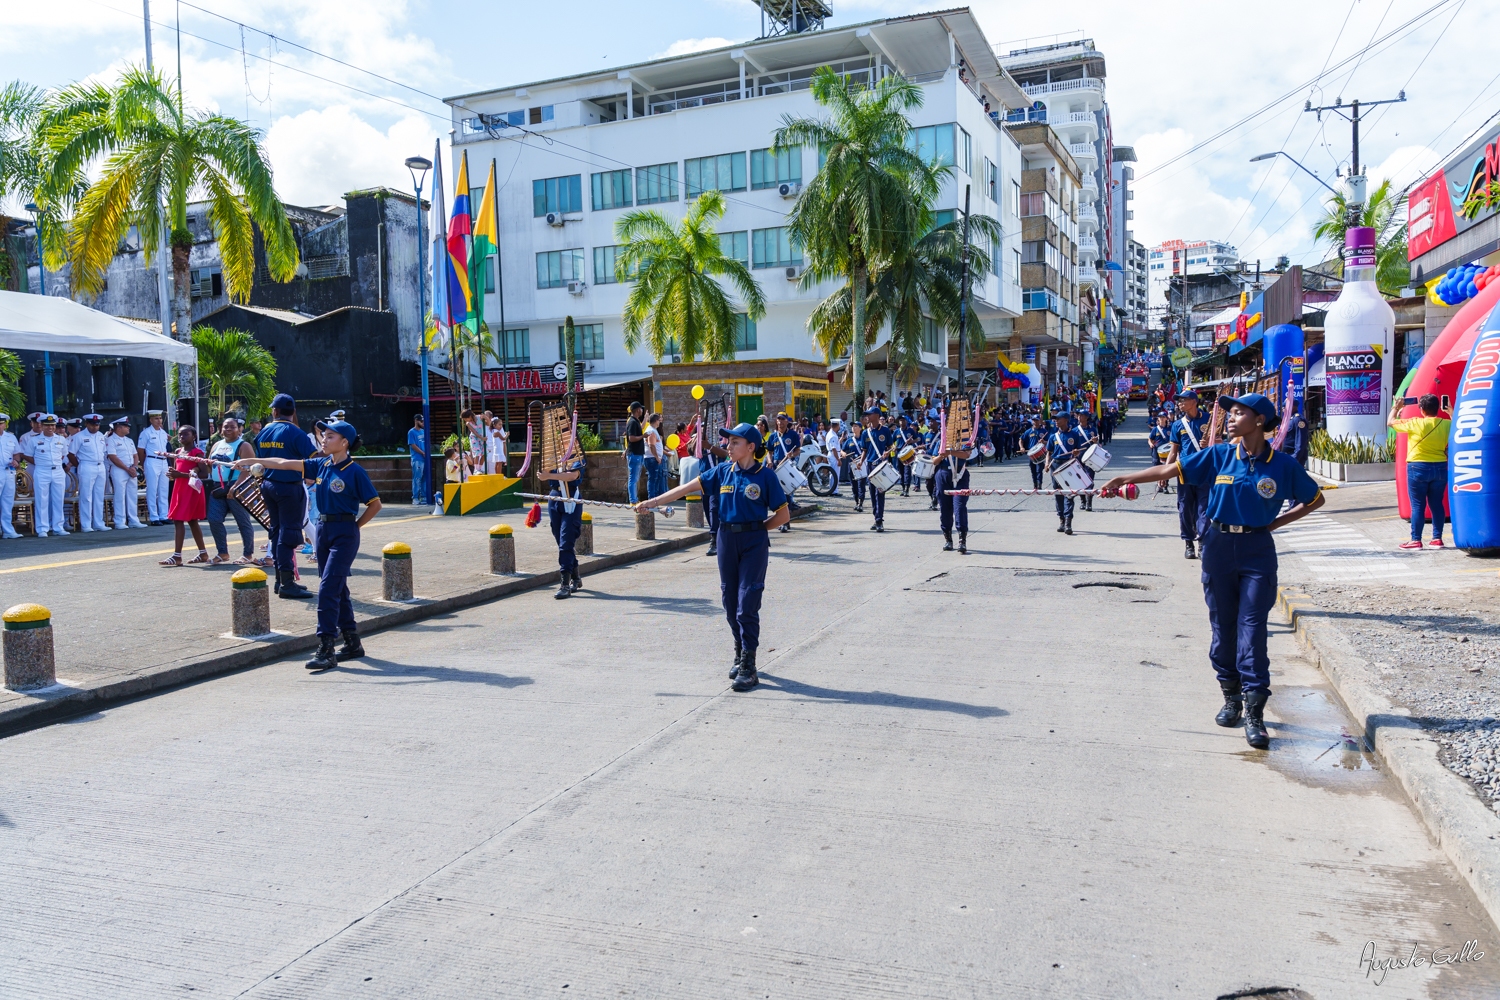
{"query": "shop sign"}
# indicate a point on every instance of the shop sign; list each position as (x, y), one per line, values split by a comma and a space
(548, 380)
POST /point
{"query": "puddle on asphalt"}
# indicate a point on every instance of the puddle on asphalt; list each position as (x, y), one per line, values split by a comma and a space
(1314, 743)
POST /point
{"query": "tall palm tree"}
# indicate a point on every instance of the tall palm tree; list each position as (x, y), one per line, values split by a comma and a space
(21, 176)
(157, 153)
(678, 304)
(12, 399)
(866, 205)
(236, 366)
(1384, 211)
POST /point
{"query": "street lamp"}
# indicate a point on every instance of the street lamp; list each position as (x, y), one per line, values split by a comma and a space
(419, 165)
(41, 271)
(1279, 152)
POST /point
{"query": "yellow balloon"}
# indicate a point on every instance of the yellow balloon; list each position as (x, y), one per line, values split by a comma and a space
(673, 441)
(697, 392)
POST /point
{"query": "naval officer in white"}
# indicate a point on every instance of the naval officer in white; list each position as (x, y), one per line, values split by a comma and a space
(153, 441)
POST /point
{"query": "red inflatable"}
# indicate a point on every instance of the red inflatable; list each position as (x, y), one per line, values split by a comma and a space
(1440, 369)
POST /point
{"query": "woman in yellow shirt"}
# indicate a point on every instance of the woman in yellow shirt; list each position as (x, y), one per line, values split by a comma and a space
(1426, 467)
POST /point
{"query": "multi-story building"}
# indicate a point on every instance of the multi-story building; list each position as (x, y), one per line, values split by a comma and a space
(1182, 257)
(575, 153)
(1133, 306)
(1128, 284)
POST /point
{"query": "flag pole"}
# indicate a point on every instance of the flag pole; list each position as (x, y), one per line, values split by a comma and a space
(504, 338)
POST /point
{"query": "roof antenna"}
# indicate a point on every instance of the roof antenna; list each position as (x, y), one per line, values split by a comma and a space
(791, 17)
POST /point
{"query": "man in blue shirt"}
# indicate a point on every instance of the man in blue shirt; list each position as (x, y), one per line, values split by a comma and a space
(1063, 444)
(1248, 482)
(1186, 437)
(751, 502)
(1030, 438)
(416, 446)
(281, 489)
(876, 443)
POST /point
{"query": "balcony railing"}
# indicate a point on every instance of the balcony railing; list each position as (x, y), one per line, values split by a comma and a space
(1088, 275)
(1088, 219)
(1083, 151)
(1087, 244)
(1026, 115)
(1063, 86)
(1080, 118)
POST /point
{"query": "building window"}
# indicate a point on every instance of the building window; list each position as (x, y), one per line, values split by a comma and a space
(992, 180)
(943, 218)
(1015, 198)
(1016, 264)
(774, 248)
(558, 267)
(541, 114)
(514, 347)
(206, 282)
(588, 342)
(605, 266)
(769, 168)
(965, 152)
(557, 194)
(931, 340)
(736, 245)
(714, 173)
(1041, 252)
(744, 333)
(611, 189)
(656, 184)
(933, 143)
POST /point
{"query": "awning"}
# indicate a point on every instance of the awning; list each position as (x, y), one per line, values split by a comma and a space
(1220, 318)
(53, 323)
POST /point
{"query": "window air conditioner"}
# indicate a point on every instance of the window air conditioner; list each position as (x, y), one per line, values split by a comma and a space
(793, 273)
(555, 219)
(577, 287)
(790, 189)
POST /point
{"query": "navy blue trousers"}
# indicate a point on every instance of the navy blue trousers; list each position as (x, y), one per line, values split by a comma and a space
(742, 580)
(1239, 586)
(566, 528)
(1192, 511)
(711, 509)
(1036, 474)
(877, 503)
(338, 544)
(952, 509)
(860, 486)
(286, 507)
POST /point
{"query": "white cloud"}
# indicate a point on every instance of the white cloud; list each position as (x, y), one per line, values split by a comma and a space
(318, 155)
(1180, 203)
(683, 46)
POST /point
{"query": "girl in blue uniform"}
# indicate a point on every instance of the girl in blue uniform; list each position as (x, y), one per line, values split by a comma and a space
(341, 487)
(566, 520)
(751, 503)
(876, 443)
(1037, 432)
(1248, 481)
(1063, 444)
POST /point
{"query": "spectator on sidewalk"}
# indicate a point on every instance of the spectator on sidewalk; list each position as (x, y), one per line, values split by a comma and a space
(1426, 467)
(635, 450)
(416, 446)
(229, 448)
(656, 457)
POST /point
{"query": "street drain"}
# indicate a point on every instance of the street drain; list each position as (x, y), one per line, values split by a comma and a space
(1117, 584)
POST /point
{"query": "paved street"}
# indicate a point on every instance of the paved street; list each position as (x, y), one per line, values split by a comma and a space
(992, 776)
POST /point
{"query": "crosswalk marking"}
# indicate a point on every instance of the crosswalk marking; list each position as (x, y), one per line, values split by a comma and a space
(1335, 552)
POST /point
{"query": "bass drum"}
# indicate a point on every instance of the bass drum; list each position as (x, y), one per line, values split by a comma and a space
(987, 450)
(907, 455)
(687, 469)
(923, 468)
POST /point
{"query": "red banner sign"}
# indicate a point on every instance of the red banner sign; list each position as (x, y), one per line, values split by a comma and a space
(533, 381)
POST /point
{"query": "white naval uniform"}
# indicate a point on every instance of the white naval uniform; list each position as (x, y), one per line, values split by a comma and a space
(88, 448)
(49, 458)
(123, 484)
(8, 448)
(158, 490)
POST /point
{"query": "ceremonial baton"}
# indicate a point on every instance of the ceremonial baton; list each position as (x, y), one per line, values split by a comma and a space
(1129, 491)
(553, 498)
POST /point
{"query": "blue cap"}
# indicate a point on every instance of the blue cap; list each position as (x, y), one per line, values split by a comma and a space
(749, 432)
(1188, 394)
(1257, 402)
(283, 402)
(342, 428)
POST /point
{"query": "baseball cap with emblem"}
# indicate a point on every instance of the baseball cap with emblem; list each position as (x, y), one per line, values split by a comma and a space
(749, 432)
(1257, 402)
(342, 428)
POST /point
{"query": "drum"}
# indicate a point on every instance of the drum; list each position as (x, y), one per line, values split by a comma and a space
(1163, 451)
(907, 454)
(789, 478)
(1071, 475)
(923, 467)
(1095, 457)
(687, 469)
(987, 450)
(1037, 451)
(885, 477)
(858, 470)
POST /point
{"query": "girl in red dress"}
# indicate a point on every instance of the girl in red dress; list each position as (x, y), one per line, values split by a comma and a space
(189, 503)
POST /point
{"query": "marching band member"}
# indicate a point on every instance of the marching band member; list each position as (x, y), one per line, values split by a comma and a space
(48, 455)
(1063, 444)
(1160, 434)
(86, 451)
(566, 520)
(876, 443)
(342, 486)
(953, 474)
(1247, 483)
(784, 444)
(1090, 435)
(751, 502)
(120, 453)
(1186, 437)
(833, 448)
(859, 467)
(1030, 437)
(8, 448)
(901, 428)
(281, 489)
(150, 448)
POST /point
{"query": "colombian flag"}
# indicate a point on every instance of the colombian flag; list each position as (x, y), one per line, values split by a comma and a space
(460, 301)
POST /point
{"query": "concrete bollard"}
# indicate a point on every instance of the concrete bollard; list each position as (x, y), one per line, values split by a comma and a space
(249, 603)
(695, 514)
(645, 525)
(502, 550)
(29, 663)
(395, 572)
(585, 544)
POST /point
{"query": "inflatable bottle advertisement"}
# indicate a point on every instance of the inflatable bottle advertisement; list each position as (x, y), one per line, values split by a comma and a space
(1359, 338)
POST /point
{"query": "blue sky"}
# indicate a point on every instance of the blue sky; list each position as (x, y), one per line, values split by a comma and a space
(1178, 72)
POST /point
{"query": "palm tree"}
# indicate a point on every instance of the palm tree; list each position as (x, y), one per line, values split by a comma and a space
(12, 399)
(158, 153)
(677, 304)
(1384, 211)
(867, 203)
(21, 176)
(235, 365)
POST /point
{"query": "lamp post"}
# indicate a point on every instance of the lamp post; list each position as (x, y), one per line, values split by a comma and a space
(41, 271)
(1279, 152)
(419, 165)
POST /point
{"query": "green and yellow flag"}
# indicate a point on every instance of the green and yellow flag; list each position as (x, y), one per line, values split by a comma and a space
(486, 245)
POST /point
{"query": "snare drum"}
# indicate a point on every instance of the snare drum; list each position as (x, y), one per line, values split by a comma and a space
(1095, 457)
(1071, 475)
(1163, 451)
(1037, 451)
(885, 477)
(859, 470)
(987, 450)
(923, 467)
(790, 479)
(907, 454)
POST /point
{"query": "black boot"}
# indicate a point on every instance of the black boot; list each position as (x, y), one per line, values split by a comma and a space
(1062, 523)
(1189, 552)
(1255, 723)
(1068, 525)
(739, 655)
(947, 542)
(564, 588)
(713, 545)
(289, 587)
(575, 582)
(352, 649)
(1230, 715)
(880, 526)
(324, 658)
(963, 543)
(747, 678)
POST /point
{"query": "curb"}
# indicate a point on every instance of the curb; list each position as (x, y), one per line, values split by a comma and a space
(49, 707)
(1465, 828)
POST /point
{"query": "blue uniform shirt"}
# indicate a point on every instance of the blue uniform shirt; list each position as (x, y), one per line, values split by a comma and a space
(284, 439)
(1060, 444)
(1178, 433)
(340, 489)
(1246, 490)
(1090, 433)
(746, 496)
(779, 446)
(1159, 435)
(1030, 436)
(572, 490)
(875, 443)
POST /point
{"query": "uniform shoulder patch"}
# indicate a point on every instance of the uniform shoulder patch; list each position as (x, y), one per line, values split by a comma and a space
(1266, 487)
(752, 491)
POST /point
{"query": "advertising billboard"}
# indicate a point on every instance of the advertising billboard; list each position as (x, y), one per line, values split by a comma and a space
(1460, 194)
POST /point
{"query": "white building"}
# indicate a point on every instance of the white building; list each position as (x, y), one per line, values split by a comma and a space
(1182, 257)
(573, 154)
(1127, 285)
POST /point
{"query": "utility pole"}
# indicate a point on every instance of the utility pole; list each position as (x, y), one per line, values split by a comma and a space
(963, 304)
(163, 254)
(1355, 207)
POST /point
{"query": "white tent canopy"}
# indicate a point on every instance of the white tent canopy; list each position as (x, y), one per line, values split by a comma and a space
(53, 323)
